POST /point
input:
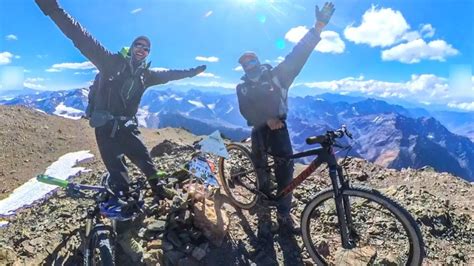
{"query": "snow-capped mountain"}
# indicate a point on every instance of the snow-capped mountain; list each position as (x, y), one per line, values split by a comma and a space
(388, 134)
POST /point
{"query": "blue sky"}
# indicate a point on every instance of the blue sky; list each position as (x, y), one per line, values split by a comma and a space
(420, 50)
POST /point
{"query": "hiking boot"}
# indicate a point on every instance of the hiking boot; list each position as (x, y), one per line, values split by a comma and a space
(160, 191)
(287, 224)
(130, 246)
(163, 192)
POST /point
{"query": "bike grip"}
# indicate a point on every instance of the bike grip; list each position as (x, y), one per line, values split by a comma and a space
(52, 181)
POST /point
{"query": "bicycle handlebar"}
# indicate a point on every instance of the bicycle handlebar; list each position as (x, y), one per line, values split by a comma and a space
(330, 136)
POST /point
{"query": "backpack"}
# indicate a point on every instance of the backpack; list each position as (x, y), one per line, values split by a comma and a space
(100, 117)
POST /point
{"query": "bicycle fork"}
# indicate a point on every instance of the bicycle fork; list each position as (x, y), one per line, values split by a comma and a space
(343, 208)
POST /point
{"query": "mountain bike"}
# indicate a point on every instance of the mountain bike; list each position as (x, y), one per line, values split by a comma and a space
(339, 224)
(99, 237)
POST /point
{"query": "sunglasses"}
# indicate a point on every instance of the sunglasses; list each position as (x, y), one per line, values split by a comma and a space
(141, 46)
(250, 64)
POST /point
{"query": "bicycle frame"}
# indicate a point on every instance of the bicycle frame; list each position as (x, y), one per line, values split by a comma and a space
(325, 154)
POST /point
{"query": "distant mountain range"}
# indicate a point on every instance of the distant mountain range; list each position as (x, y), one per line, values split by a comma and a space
(388, 134)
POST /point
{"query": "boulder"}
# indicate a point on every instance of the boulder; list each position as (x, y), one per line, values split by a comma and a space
(357, 256)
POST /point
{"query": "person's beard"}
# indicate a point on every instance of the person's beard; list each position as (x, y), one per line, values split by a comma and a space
(254, 73)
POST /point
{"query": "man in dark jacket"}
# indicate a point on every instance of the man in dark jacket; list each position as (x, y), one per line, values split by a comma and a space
(122, 81)
(118, 89)
(263, 102)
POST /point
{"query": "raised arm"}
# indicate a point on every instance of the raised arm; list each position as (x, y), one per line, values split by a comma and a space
(162, 77)
(287, 70)
(87, 45)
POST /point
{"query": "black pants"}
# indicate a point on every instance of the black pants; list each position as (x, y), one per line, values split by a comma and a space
(112, 149)
(278, 143)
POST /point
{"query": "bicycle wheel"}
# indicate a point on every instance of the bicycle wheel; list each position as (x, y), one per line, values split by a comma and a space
(101, 249)
(382, 231)
(238, 176)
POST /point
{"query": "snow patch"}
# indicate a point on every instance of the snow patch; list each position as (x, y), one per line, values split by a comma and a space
(320, 99)
(142, 114)
(3, 223)
(33, 190)
(85, 92)
(230, 109)
(68, 112)
(198, 104)
(211, 106)
(354, 111)
(377, 120)
(41, 111)
(430, 136)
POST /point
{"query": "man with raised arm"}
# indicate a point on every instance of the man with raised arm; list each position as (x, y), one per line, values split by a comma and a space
(115, 98)
(263, 102)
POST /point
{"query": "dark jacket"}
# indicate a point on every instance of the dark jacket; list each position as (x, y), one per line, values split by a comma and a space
(268, 98)
(120, 86)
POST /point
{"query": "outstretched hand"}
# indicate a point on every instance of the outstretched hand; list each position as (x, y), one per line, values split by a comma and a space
(324, 14)
(199, 69)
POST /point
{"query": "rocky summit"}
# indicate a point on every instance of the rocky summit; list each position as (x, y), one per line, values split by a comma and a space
(188, 230)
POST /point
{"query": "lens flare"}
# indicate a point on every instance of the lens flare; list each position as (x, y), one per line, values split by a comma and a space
(280, 44)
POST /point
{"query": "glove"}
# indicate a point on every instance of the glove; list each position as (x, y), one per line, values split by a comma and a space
(199, 69)
(324, 15)
(47, 6)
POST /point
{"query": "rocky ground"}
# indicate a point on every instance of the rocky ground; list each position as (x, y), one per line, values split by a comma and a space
(186, 231)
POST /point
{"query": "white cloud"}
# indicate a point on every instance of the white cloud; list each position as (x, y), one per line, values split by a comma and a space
(279, 59)
(414, 51)
(419, 87)
(468, 106)
(34, 79)
(33, 83)
(225, 85)
(11, 37)
(208, 75)
(330, 43)
(211, 59)
(135, 11)
(411, 36)
(238, 69)
(295, 34)
(33, 86)
(5, 58)
(208, 13)
(330, 40)
(75, 66)
(379, 27)
(427, 30)
(159, 69)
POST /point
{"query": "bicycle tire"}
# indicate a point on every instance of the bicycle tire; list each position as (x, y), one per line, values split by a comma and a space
(415, 240)
(242, 154)
(101, 248)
